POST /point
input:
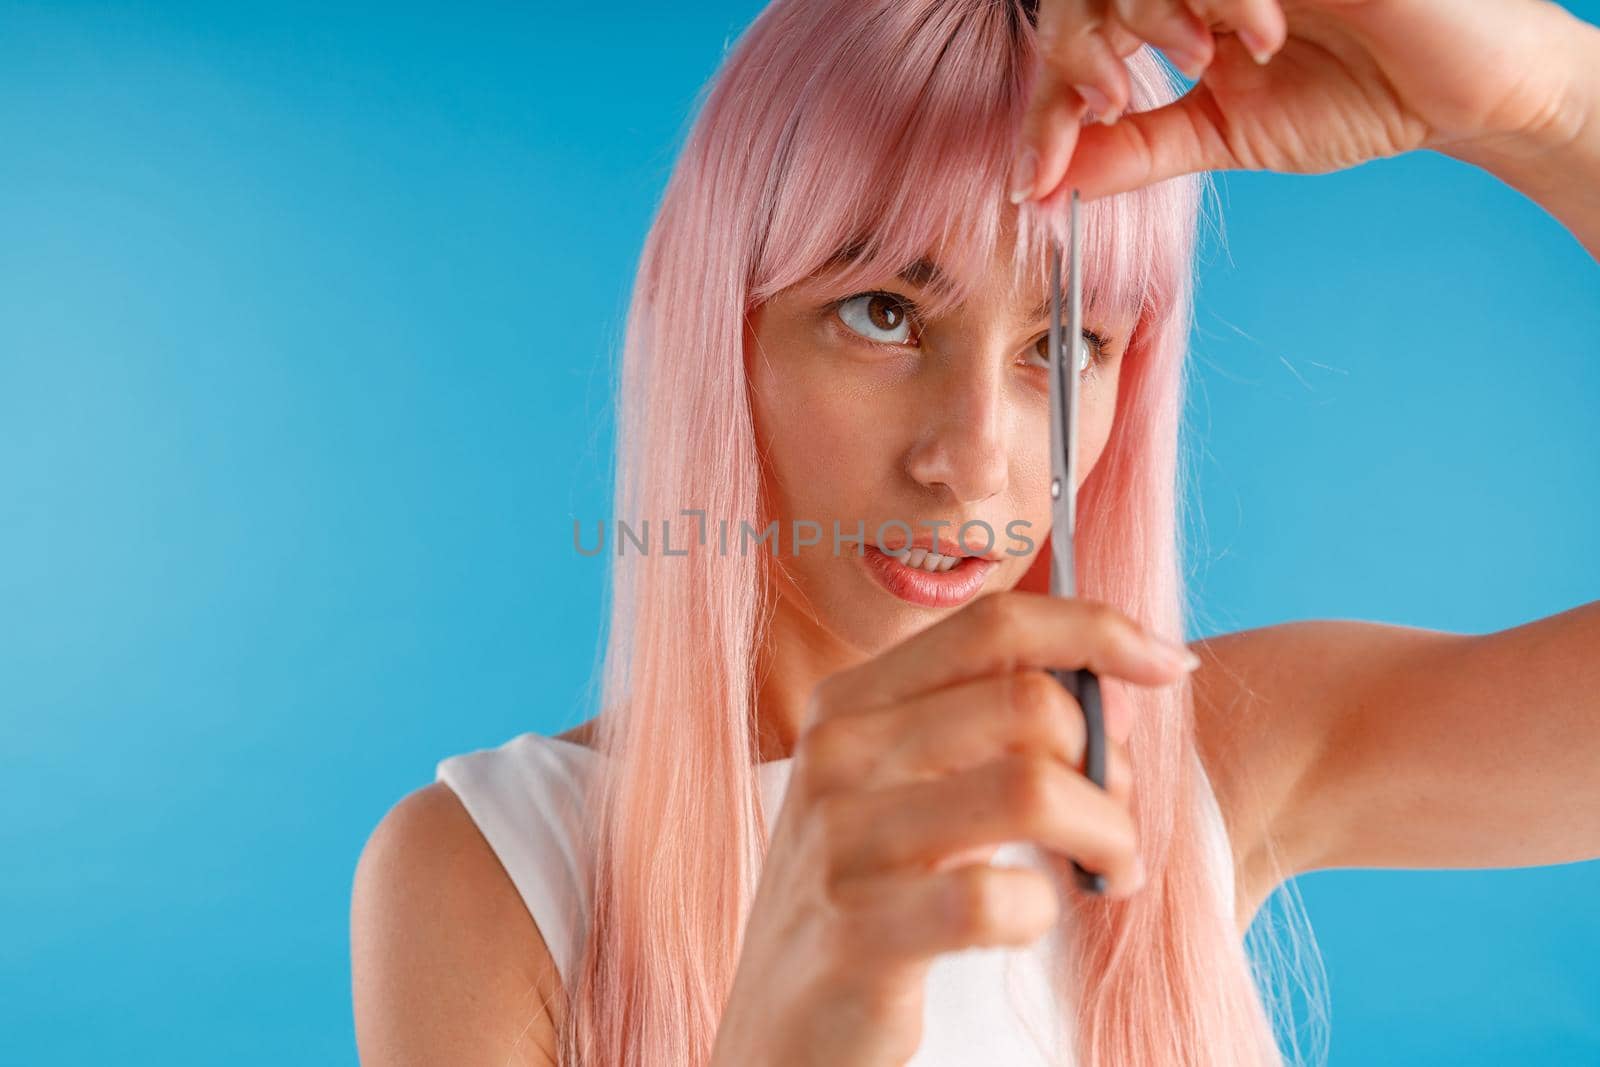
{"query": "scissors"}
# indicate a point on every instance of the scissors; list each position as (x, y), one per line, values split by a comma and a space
(1081, 682)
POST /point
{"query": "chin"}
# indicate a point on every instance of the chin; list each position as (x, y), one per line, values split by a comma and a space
(872, 619)
(871, 622)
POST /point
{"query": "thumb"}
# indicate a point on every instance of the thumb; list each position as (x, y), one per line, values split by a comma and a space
(1076, 71)
(1047, 137)
(1146, 147)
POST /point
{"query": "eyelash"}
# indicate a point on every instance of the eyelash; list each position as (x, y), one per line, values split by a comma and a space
(1097, 343)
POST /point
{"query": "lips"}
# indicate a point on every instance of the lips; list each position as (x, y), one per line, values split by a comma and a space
(945, 588)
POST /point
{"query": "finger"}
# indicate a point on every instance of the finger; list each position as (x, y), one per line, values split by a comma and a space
(1077, 71)
(903, 917)
(948, 730)
(1048, 135)
(1171, 27)
(1002, 632)
(1148, 147)
(1123, 41)
(1260, 25)
(1050, 109)
(1016, 798)
(1072, 42)
(953, 729)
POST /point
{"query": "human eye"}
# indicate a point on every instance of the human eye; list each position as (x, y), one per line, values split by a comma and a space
(1091, 351)
(866, 313)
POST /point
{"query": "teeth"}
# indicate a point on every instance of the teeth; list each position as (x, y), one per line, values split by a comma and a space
(923, 560)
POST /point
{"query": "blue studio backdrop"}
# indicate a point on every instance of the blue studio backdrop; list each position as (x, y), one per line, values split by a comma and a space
(306, 324)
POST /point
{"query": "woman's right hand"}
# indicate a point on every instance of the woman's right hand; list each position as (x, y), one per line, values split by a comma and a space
(913, 768)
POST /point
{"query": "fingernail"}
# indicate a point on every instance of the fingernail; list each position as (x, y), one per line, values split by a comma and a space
(1098, 102)
(1025, 174)
(1258, 48)
(1178, 655)
(1190, 64)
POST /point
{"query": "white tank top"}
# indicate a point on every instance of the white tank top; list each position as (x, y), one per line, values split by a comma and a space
(993, 1006)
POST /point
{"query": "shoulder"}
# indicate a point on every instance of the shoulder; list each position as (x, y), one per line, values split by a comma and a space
(447, 964)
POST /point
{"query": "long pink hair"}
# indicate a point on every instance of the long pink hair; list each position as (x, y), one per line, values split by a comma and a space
(884, 127)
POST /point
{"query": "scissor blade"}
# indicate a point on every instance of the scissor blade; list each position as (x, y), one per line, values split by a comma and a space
(1064, 347)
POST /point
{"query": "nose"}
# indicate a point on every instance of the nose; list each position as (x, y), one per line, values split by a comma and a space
(961, 447)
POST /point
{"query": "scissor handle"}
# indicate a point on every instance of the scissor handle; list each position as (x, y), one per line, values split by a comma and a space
(1085, 688)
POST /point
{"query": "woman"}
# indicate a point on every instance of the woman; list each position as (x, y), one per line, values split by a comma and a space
(813, 748)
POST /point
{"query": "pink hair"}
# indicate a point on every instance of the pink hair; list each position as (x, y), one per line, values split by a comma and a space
(883, 127)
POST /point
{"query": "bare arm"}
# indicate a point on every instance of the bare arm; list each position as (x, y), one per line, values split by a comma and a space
(447, 966)
(1355, 744)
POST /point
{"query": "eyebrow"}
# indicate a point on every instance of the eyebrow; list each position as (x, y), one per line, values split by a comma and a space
(1040, 312)
(921, 272)
(924, 273)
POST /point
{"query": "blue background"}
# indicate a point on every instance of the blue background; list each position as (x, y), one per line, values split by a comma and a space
(305, 328)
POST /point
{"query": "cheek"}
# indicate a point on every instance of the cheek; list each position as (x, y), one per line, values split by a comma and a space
(808, 427)
(1097, 413)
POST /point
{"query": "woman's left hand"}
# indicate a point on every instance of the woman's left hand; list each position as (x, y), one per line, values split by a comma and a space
(1334, 83)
